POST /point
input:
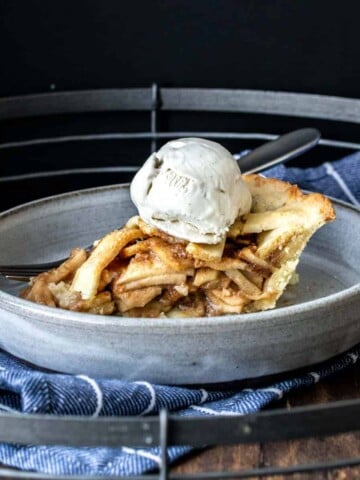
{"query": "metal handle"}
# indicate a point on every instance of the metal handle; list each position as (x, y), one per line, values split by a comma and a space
(282, 149)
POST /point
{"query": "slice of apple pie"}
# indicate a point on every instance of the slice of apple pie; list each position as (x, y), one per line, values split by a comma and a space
(140, 271)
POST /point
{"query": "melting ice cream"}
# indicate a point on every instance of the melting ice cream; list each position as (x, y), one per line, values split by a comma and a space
(191, 188)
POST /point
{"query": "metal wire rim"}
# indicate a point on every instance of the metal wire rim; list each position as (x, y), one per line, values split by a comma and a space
(335, 417)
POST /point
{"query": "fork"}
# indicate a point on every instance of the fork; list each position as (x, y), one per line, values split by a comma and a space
(280, 150)
(23, 272)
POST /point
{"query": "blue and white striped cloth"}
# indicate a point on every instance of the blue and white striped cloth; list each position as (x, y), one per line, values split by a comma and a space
(340, 179)
(28, 390)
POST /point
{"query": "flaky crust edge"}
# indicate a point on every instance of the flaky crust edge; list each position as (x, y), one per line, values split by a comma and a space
(271, 193)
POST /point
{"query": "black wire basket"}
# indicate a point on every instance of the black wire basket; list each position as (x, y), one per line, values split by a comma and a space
(157, 107)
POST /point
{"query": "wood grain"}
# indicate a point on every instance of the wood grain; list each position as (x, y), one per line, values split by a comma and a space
(234, 458)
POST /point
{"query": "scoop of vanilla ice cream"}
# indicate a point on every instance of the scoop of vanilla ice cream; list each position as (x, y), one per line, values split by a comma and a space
(192, 189)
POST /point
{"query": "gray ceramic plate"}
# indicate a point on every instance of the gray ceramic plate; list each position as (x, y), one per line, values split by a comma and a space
(316, 319)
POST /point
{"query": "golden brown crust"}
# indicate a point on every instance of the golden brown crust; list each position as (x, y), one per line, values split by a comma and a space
(271, 194)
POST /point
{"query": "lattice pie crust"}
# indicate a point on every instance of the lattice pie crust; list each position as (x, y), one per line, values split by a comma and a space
(139, 271)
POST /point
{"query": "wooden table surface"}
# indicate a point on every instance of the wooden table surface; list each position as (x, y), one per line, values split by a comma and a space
(342, 386)
(339, 387)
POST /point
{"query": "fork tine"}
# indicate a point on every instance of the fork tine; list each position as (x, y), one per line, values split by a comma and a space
(19, 273)
(27, 270)
(24, 268)
(31, 270)
(17, 278)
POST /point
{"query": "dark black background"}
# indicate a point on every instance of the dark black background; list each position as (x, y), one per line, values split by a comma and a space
(298, 45)
(295, 45)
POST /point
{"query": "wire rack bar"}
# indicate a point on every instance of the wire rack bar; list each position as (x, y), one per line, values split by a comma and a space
(263, 102)
(264, 426)
(163, 135)
(153, 117)
(180, 99)
(82, 101)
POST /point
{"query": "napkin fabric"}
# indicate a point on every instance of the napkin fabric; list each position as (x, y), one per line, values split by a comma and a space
(25, 389)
